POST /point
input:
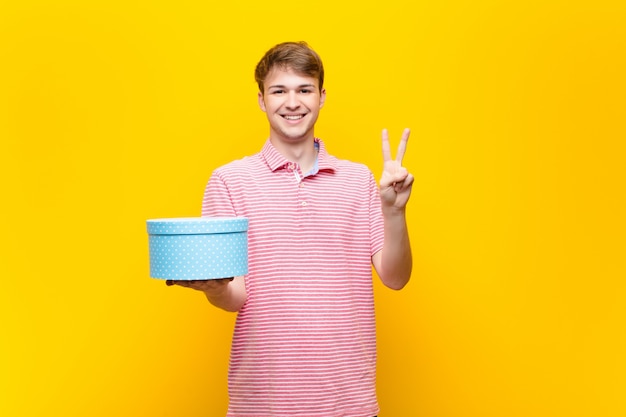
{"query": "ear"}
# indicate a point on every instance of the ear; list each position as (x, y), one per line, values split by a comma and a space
(261, 101)
(322, 97)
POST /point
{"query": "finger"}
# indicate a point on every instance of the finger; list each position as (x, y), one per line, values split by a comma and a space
(399, 174)
(187, 283)
(402, 146)
(405, 184)
(386, 147)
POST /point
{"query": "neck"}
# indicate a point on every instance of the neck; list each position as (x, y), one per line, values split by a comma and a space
(302, 152)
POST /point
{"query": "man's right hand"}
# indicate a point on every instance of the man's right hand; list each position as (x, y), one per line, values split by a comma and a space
(211, 287)
(226, 293)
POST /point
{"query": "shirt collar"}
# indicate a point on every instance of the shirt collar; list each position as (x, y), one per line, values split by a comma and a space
(275, 160)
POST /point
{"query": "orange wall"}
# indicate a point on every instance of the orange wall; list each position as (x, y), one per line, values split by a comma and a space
(115, 112)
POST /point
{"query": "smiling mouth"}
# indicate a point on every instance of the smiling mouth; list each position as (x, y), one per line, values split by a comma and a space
(292, 116)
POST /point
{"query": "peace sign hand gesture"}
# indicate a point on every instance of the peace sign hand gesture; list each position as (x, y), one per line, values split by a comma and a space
(396, 182)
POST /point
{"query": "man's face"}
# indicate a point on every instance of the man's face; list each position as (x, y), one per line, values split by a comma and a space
(292, 103)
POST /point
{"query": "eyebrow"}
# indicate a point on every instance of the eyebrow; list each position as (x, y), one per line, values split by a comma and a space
(284, 86)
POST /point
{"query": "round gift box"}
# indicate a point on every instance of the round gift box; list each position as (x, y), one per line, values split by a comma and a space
(188, 248)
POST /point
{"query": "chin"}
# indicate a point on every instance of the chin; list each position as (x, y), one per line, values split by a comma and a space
(296, 138)
(291, 135)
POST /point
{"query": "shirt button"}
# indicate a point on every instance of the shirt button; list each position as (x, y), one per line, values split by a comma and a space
(304, 204)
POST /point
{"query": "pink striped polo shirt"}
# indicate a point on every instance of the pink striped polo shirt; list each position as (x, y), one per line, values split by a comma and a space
(304, 343)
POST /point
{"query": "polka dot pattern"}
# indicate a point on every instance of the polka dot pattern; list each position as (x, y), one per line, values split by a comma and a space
(198, 248)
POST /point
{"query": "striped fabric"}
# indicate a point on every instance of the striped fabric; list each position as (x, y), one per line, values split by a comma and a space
(304, 343)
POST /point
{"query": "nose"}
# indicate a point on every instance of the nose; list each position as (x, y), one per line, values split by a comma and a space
(292, 101)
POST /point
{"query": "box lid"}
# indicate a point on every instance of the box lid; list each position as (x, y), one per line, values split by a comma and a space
(197, 225)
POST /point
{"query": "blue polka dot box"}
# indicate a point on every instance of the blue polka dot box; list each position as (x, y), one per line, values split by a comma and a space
(189, 248)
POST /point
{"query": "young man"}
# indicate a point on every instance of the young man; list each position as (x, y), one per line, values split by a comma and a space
(304, 342)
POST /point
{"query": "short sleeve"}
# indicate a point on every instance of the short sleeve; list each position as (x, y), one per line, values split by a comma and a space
(217, 201)
(377, 232)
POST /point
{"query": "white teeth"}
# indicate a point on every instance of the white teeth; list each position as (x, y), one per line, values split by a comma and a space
(300, 116)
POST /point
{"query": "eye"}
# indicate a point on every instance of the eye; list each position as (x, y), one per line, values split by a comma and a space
(277, 91)
(305, 91)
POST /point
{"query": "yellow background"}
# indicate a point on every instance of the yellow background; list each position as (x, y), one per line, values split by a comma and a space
(113, 112)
